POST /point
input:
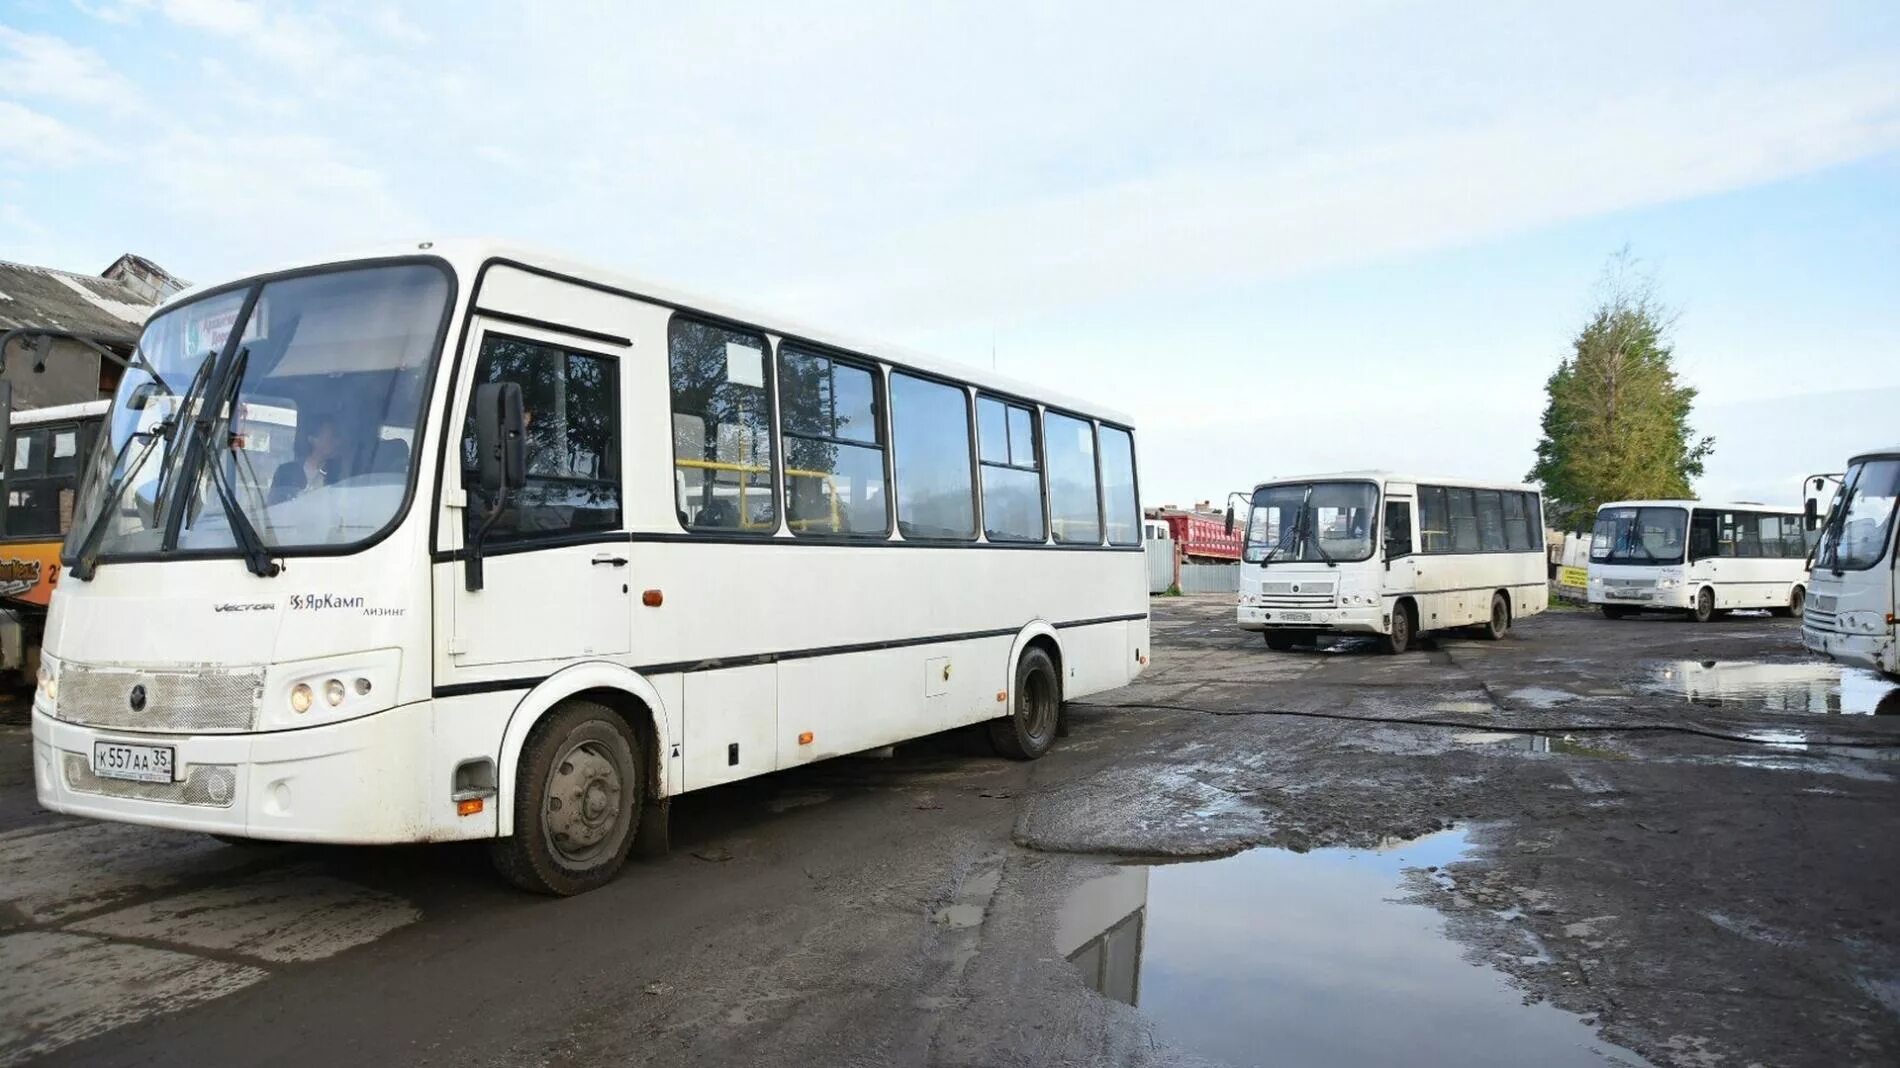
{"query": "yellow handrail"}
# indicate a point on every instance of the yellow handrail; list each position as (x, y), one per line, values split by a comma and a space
(745, 517)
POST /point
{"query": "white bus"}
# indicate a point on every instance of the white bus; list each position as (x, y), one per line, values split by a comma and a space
(1851, 601)
(1392, 555)
(467, 542)
(1697, 557)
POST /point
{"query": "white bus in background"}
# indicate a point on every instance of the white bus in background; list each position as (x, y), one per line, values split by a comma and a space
(1699, 558)
(1389, 555)
(534, 547)
(1852, 607)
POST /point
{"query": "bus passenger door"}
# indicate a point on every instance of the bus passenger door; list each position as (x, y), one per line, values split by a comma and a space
(556, 571)
(1399, 547)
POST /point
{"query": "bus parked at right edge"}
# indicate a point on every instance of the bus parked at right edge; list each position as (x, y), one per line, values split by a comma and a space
(1852, 605)
(1698, 558)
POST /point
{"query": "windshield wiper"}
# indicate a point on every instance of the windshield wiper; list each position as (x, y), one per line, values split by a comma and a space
(256, 555)
(86, 559)
(1293, 532)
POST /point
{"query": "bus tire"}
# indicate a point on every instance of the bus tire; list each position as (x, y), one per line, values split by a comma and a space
(1797, 604)
(1403, 631)
(1614, 611)
(1278, 641)
(578, 800)
(1704, 609)
(1036, 712)
(1499, 624)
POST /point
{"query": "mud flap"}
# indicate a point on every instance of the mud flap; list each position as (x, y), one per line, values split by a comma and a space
(650, 841)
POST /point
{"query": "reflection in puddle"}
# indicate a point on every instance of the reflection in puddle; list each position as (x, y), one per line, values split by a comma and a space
(1811, 687)
(1564, 745)
(1271, 957)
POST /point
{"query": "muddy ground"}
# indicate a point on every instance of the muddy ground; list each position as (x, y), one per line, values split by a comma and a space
(1713, 898)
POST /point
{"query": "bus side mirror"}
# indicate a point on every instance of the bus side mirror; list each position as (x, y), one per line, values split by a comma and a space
(1230, 520)
(1811, 511)
(501, 462)
(6, 410)
(499, 433)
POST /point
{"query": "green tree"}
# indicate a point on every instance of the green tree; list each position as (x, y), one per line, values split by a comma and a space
(1616, 421)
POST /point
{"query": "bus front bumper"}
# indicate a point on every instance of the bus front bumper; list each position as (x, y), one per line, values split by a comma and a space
(1677, 599)
(1366, 620)
(362, 781)
(1874, 651)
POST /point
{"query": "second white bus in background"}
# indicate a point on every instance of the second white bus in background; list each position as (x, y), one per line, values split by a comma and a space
(1698, 558)
(1853, 615)
(1389, 555)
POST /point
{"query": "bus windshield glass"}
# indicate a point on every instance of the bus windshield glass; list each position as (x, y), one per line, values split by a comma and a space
(302, 430)
(1861, 526)
(1296, 522)
(1639, 536)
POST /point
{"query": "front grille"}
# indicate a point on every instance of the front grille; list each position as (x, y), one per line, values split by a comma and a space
(1821, 621)
(1297, 593)
(195, 701)
(1631, 583)
(208, 785)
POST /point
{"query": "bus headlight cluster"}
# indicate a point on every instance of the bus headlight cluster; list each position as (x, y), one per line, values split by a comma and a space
(303, 695)
(1668, 583)
(46, 680)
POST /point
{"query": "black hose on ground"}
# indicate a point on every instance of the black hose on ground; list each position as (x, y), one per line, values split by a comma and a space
(1555, 728)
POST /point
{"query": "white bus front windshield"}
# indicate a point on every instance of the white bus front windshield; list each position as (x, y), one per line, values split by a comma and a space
(1861, 525)
(303, 430)
(1639, 536)
(1311, 521)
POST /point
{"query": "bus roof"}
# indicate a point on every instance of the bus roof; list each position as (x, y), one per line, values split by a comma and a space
(1382, 477)
(1707, 506)
(55, 413)
(1877, 454)
(467, 256)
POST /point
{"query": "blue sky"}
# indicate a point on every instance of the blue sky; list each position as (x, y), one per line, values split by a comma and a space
(1286, 238)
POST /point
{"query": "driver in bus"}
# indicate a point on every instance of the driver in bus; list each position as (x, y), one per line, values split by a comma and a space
(310, 464)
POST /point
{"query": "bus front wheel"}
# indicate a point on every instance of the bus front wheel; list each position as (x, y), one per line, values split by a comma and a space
(1704, 609)
(1030, 728)
(578, 797)
(1614, 611)
(1403, 631)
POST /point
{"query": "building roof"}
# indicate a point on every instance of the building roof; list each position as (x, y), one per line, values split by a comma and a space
(112, 305)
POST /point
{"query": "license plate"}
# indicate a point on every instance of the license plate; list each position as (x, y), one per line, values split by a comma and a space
(1628, 595)
(138, 763)
(1297, 617)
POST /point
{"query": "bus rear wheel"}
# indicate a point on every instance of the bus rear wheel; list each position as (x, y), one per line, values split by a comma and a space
(578, 799)
(1030, 728)
(1500, 622)
(1796, 606)
(1704, 609)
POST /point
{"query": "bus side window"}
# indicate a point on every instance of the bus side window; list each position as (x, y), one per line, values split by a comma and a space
(1398, 529)
(1702, 535)
(1434, 520)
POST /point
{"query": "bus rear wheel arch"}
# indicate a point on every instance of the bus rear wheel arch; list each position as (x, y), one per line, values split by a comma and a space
(1035, 712)
(579, 801)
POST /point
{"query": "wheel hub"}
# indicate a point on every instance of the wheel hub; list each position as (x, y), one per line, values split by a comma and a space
(582, 801)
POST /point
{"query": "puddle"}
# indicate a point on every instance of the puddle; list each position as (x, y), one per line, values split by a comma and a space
(1810, 688)
(1271, 957)
(1542, 696)
(1563, 745)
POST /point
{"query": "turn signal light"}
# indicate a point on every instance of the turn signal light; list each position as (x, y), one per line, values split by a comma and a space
(469, 807)
(1002, 696)
(804, 737)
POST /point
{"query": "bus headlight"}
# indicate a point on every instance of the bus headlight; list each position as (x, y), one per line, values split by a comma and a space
(46, 681)
(333, 692)
(300, 697)
(1668, 583)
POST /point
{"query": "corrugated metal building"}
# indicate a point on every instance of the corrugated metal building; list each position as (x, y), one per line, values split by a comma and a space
(108, 307)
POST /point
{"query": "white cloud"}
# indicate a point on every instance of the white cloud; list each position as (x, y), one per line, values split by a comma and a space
(41, 65)
(231, 18)
(30, 139)
(391, 23)
(119, 12)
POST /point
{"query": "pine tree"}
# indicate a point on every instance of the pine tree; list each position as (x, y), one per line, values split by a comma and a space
(1616, 423)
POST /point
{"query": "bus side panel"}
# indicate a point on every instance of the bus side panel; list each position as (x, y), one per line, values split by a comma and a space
(851, 702)
(1094, 658)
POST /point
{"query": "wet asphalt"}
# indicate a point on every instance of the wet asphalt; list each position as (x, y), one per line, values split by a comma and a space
(1592, 842)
